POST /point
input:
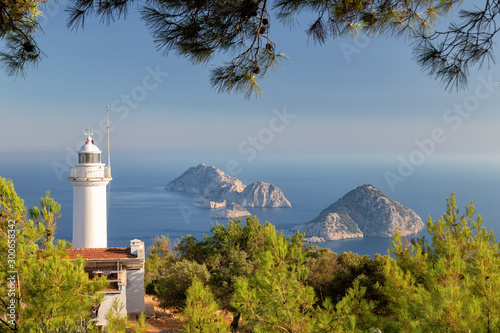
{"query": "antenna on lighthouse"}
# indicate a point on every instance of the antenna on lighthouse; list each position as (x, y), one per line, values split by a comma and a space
(109, 160)
(107, 119)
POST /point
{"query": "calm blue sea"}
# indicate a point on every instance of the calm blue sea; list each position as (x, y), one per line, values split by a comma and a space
(141, 208)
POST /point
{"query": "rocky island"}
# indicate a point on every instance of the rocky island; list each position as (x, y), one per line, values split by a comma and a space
(215, 189)
(232, 211)
(363, 212)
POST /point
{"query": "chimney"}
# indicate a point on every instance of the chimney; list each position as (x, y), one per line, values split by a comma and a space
(137, 248)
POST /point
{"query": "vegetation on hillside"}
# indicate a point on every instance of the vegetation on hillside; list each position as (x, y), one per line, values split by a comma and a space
(274, 283)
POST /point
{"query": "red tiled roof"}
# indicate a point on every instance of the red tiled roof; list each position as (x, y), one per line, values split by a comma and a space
(111, 253)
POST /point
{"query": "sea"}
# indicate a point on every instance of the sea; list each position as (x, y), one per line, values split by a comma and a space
(141, 208)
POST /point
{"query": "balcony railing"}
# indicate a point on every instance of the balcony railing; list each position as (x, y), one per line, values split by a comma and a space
(88, 172)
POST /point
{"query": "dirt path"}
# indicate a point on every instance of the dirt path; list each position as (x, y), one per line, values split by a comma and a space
(163, 321)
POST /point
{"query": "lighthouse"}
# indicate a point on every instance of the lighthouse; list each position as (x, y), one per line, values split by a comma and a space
(89, 178)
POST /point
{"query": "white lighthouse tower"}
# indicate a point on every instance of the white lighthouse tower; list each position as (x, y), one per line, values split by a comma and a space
(89, 178)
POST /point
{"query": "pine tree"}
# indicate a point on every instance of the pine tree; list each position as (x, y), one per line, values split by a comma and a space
(18, 27)
(201, 311)
(45, 218)
(56, 291)
(275, 298)
(117, 321)
(353, 313)
(241, 29)
(451, 286)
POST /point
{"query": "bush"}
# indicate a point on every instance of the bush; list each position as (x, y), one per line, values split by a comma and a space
(160, 259)
(172, 288)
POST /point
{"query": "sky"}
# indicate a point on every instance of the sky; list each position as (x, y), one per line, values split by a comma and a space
(347, 98)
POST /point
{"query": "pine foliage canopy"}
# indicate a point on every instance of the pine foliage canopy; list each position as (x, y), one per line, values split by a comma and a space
(241, 30)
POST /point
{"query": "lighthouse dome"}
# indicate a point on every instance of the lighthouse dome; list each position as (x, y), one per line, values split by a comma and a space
(89, 147)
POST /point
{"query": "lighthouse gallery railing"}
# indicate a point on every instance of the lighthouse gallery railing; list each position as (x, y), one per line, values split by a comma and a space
(90, 172)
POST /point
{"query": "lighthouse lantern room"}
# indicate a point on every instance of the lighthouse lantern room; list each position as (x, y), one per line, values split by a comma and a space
(89, 178)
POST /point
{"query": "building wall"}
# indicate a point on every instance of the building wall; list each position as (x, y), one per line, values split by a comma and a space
(106, 305)
(135, 291)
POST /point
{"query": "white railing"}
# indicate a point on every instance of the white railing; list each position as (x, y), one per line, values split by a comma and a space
(90, 172)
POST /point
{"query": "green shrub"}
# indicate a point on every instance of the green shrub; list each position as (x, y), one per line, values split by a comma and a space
(172, 288)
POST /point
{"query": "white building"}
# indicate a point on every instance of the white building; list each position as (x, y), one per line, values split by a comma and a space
(123, 266)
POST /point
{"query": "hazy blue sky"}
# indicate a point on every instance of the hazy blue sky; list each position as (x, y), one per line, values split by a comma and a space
(374, 101)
